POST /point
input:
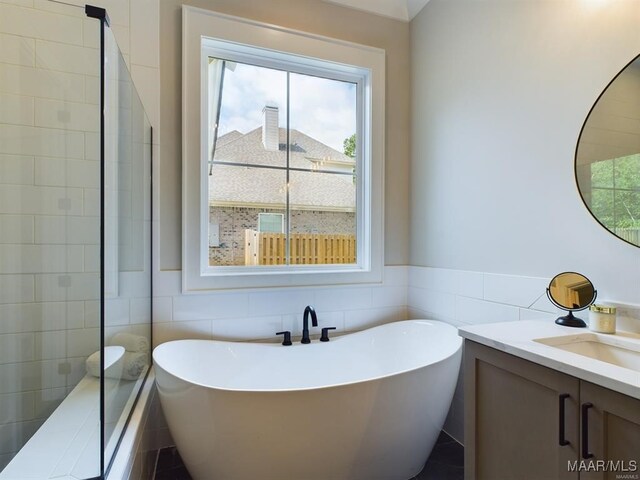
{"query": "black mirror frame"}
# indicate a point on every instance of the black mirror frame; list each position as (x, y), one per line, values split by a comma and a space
(575, 156)
(570, 320)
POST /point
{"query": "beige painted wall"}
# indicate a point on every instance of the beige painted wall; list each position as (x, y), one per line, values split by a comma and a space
(312, 16)
(500, 90)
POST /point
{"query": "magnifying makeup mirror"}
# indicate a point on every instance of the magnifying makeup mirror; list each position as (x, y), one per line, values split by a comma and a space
(572, 292)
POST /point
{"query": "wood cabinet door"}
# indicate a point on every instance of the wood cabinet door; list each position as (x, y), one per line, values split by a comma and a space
(513, 421)
(613, 427)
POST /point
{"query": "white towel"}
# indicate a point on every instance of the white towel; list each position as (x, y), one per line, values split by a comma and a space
(130, 342)
(114, 356)
(134, 365)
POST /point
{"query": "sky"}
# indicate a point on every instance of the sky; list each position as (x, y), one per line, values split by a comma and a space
(321, 108)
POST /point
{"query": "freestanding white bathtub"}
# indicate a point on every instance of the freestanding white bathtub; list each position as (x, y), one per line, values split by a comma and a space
(368, 405)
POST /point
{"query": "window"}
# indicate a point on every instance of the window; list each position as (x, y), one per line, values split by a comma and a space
(283, 141)
(271, 222)
(286, 185)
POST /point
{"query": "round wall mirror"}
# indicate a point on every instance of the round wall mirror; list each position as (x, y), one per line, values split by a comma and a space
(607, 162)
(572, 292)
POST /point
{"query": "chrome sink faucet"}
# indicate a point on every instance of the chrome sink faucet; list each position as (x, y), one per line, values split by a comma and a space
(305, 323)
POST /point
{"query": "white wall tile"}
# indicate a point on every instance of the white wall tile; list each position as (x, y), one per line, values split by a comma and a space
(41, 82)
(16, 229)
(76, 286)
(514, 289)
(202, 307)
(67, 58)
(16, 169)
(162, 309)
(33, 23)
(140, 310)
(17, 288)
(438, 304)
(66, 115)
(83, 342)
(246, 328)
(51, 345)
(396, 275)
(67, 173)
(33, 317)
(17, 50)
(23, 140)
(16, 109)
(280, 302)
(67, 230)
(527, 314)
(165, 332)
(388, 296)
(16, 347)
(116, 311)
(28, 200)
(40, 258)
(470, 284)
(15, 407)
(341, 298)
(471, 310)
(367, 318)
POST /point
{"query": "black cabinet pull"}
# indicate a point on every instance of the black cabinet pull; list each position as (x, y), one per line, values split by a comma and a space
(561, 440)
(585, 430)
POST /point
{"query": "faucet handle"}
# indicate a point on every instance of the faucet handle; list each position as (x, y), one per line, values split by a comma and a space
(287, 338)
(325, 334)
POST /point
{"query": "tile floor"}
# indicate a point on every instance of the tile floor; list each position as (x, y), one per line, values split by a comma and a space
(445, 463)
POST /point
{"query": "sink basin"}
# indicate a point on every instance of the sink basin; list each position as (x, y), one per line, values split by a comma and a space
(620, 350)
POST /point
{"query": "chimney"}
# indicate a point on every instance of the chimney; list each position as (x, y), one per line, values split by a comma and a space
(270, 129)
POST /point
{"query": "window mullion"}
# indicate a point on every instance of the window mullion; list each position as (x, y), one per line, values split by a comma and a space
(287, 241)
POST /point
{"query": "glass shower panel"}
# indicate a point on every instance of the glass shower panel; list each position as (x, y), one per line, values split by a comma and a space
(127, 245)
(49, 241)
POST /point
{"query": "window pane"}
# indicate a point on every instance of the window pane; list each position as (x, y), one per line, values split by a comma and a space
(602, 206)
(627, 172)
(237, 195)
(251, 119)
(322, 218)
(602, 174)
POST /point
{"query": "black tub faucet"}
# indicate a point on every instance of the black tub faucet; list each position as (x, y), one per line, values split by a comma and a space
(305, 323)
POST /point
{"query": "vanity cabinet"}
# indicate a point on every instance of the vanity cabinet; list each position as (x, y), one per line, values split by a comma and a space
(523, 420)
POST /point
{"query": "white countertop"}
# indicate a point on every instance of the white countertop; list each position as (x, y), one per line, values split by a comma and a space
(517, 338)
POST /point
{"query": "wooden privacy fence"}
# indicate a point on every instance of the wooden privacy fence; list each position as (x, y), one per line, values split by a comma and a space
(629, 234)
(262, 248)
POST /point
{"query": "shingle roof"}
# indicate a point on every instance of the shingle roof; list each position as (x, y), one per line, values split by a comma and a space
(232, 185)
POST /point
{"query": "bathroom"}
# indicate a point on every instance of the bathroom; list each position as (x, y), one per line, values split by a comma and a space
(433, 146)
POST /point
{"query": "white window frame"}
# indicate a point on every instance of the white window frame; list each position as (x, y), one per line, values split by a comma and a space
(211, 34)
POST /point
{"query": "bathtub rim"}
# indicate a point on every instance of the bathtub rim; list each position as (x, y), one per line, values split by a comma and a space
(453, 353)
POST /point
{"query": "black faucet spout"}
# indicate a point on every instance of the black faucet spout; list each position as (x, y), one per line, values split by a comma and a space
(305, 323)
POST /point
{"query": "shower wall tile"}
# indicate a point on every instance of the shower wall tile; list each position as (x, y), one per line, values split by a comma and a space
(42, 82)
(16, 169)
(45, 142)
(17, 289)
(17, 50)
(41, 258)
(66, 115)
(17, 347)
(75, 286)
(39, 24)
(16, 229)
(66, 230)
(16, 109)
(16, 407)
(37, 317)
(67, 58)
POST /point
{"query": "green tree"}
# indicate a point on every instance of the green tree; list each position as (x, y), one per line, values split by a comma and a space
(349, 145)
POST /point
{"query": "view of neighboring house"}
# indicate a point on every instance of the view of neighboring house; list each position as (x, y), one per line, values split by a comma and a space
(244, 198)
